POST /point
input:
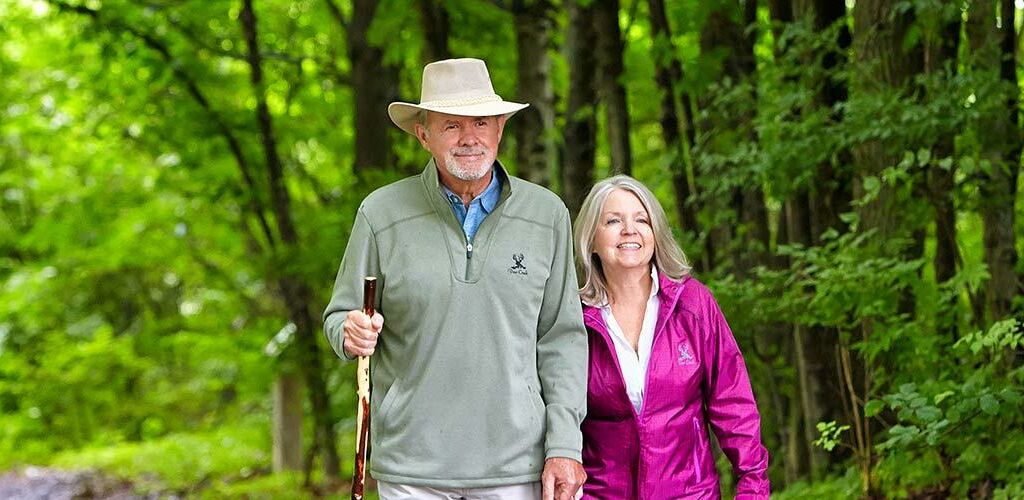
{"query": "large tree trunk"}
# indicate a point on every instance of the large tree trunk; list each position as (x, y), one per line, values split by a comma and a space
(878, 43)
(297, 295)
(884, 67)
(831, 191)
(726, 30)
(580, 123)
(374, 84)
(996, 50)
(676, 119)
(941, 60)
(612, 92)
(287, 447)
(434, 19)
(814, 208)
(535, 125)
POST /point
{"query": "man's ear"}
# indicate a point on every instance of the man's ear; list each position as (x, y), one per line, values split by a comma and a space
(501, 124)
(421, 134)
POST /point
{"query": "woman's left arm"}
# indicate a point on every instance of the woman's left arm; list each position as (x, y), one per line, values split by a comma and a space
(731, 408)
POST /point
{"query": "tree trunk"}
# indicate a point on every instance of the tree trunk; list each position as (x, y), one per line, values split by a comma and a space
(287, 448)
(781, 13)
(726, 31)
(580, 123)
(676, 119)
(374, 84)
(878, 43)
(994, 51)
(609, 47)
(434, 19)
(941, 59)
(884, 68)
(297, 295)
(831, 191)
(535, 125)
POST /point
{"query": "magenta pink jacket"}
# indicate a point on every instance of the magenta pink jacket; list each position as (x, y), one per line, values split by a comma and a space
(696, 377)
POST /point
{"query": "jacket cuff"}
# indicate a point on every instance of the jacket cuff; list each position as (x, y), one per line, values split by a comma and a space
(563, 453)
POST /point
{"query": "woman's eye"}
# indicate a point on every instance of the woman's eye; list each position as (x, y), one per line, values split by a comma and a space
(611, 221)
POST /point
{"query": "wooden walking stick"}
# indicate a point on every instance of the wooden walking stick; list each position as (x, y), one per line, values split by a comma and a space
(363, 389)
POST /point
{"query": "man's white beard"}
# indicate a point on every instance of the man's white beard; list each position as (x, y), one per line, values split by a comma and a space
(471, 172)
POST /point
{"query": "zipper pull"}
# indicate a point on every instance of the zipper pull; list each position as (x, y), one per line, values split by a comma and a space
(469, 250)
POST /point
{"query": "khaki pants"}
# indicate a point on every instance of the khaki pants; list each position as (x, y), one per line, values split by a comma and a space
(392, 491)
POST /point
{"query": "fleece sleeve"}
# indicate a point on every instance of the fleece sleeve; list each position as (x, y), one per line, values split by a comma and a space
(360, 260)
(562, 351)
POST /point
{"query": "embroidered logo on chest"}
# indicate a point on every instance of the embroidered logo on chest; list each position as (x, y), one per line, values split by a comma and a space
(685, 356)
(517, 264)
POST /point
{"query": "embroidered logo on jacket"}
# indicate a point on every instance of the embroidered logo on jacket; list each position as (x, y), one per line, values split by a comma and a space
(517, 266)
(685, 356)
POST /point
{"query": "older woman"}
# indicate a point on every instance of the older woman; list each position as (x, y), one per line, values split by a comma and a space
(663, 362)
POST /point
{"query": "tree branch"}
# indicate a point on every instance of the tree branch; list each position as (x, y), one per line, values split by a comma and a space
(337, 14)
(255, 202)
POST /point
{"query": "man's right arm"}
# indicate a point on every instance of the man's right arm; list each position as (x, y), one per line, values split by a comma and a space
(360, 260)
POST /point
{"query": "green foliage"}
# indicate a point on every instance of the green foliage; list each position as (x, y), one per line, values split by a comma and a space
(959, 429)
(139, 306)
(829, 434)
(842, 487)
(183, 462)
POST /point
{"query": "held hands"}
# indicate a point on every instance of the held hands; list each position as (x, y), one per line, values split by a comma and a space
(562, 478)
(361, 332)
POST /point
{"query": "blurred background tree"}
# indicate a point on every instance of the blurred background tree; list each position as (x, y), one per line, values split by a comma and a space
(178, 181)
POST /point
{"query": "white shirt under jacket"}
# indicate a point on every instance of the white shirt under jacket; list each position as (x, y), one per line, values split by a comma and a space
(634, 363)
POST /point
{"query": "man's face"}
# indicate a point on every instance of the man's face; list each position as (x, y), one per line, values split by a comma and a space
(465, 146)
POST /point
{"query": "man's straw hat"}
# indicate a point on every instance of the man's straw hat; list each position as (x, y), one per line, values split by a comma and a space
(456, 87)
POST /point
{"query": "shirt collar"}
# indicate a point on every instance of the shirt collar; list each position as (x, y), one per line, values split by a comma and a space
(488, 199)
(655, 283)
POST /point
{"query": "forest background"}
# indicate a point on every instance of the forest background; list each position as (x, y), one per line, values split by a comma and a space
(179, 177)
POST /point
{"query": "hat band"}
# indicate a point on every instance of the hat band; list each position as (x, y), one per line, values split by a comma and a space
(468, 101)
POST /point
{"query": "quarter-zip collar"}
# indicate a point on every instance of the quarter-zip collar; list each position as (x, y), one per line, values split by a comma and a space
(467, 257)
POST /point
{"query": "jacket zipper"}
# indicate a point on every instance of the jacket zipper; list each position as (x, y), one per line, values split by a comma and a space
(699, 438)
(469, 258)
(637, 415)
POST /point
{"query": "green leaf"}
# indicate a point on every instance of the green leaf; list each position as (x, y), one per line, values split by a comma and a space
(924, 156)
(1010, 396)
(928, 413)
(873, 407)
(989, 404)
(940, 397)
(905, 414)
(872, 185)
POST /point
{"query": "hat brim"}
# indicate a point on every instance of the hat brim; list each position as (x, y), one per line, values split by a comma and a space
(403, 114)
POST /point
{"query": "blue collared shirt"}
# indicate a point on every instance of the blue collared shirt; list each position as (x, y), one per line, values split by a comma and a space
(478, 208)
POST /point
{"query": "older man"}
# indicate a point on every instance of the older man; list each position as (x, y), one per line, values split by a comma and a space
(480, 370)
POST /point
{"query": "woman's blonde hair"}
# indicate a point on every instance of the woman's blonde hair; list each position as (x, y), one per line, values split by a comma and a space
(668, 257)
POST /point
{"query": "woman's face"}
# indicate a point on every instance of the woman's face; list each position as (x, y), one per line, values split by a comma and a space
(624, 238)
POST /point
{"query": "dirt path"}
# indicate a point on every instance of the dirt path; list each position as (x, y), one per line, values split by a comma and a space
(32, 483)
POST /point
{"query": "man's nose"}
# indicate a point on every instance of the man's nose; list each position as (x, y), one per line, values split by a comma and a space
(468, 137)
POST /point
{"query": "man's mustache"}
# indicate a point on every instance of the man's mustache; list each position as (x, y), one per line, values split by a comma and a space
(469, 151)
